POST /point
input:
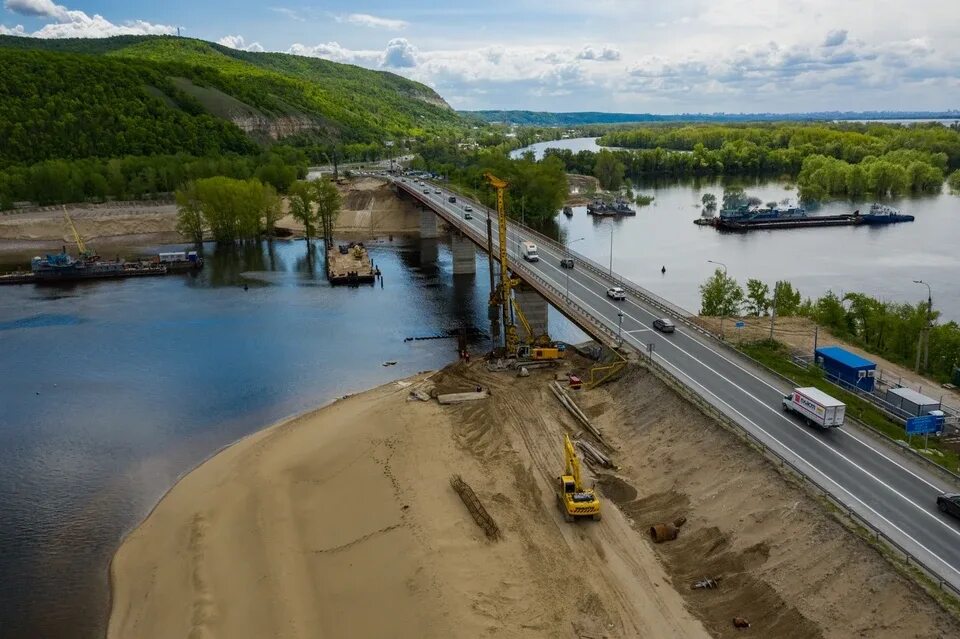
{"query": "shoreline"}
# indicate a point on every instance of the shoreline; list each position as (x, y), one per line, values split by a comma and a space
(293, 417)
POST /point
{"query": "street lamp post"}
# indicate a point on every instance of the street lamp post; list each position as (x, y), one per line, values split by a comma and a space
(567, 292)
(925, 333)
(611, 249)
(619, 327)
(722, 310)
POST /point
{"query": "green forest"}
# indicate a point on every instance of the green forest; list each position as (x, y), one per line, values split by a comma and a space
(889, 329)
(134, 116)
(827, 160)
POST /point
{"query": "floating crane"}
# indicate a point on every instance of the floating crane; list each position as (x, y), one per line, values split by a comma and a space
(82, 250)
(574, 499)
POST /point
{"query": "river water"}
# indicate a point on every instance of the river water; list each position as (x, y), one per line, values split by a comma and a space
(879, 261)
(112, 390)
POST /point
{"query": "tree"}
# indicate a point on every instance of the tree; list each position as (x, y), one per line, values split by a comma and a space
(758, 297)
(608, 170)
(709, 201)
(720, 295)
(301, 197)
(954, 182)
(786, 300)
(190, 222)
(327, 197)
(734, 197)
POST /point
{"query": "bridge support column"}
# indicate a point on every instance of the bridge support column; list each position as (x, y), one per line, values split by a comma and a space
(464, 255)
(428, 223)
(534, 308)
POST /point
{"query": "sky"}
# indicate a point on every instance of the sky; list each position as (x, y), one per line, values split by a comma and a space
(640, 56)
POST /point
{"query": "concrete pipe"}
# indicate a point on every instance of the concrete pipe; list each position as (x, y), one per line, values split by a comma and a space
(663, 532)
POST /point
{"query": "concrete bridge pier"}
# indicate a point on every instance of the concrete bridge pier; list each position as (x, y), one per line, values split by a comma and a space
(428, 223)
(534, 308)
(464, 255)
(429, 251)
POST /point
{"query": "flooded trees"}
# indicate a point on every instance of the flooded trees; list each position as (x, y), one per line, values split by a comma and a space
(229, 209)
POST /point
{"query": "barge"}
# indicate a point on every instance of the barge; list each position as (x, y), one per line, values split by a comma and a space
(601, 208)
(879, 215)
(350, 264)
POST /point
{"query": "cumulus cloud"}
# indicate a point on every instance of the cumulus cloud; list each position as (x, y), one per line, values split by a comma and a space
(238, 42)
(68, 23)
(400, 54)
(835, 38)
(604, 54)
(374, 22)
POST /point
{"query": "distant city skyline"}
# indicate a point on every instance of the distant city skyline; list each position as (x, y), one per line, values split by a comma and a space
(606, 55)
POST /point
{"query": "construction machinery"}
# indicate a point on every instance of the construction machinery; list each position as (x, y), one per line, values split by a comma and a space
(536, 347)
(510, 338)
(82, 250)
(575, 500)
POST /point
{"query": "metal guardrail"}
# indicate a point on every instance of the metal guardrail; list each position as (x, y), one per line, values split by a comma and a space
(608, 336)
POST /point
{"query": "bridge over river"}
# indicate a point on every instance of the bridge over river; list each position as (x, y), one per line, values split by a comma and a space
(888, 490)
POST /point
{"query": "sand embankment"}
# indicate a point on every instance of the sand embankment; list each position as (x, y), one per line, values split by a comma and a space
(342, 523)
(369, 207)
(111, 220)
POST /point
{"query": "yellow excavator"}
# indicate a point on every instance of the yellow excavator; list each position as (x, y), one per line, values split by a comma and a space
(575, 500)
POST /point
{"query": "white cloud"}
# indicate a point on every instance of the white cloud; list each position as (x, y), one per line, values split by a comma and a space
(835, 38)
(15, 31)
(290, 13)
(68, 23)
(399, 54)
(374, 22)
(336, 53)
(604, 54)
(237, 42)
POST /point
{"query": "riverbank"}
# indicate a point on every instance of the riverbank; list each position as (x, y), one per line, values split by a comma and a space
(342, 522)
(369, 206)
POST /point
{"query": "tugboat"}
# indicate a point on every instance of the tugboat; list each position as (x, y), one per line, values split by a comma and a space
(882, 214)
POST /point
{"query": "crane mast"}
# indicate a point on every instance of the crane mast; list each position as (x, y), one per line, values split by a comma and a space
(510, 337)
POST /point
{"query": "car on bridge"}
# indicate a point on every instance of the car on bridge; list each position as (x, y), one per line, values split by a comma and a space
(468, 208)
(567, 262)
(467, 215)
(949, 503)
(616, 293)
(437, 191)
(427, 191)
(452, 199)
(664, 325)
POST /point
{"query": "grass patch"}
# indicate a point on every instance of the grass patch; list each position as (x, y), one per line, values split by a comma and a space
(776, 356)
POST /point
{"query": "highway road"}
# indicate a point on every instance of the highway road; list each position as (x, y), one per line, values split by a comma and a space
(893, 492)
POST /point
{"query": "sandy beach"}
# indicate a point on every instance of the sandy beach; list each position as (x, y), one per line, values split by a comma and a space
(343, 523)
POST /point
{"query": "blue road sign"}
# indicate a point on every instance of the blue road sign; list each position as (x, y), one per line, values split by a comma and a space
(740, 324)
(924, 424)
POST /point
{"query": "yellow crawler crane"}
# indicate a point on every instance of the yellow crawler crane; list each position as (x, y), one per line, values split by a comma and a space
(82, 249)
(511, 339)
(574, 499)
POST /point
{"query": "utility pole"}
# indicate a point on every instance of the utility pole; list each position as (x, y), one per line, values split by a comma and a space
(619, 327)
(924, 341)
(773, 313)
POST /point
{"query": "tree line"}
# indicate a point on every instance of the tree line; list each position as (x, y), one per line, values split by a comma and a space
(889, 329)
(537, 189)
(139, 177)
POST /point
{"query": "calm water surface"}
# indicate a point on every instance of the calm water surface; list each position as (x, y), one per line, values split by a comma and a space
(111, 390)
(880, 261)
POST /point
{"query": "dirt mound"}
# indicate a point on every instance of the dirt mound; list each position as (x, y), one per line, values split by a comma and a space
(782, 562)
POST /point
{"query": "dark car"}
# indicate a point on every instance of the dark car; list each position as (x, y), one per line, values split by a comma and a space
(949, 503)
(664, 325)
(451, 199)
(567, 262)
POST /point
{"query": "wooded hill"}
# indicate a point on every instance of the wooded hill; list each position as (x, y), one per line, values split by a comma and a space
(144, 95)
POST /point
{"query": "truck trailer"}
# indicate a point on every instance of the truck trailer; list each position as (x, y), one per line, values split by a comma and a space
(816, 407)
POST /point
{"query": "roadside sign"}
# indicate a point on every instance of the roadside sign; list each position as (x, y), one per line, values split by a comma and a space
(924, 424)
(740, 324)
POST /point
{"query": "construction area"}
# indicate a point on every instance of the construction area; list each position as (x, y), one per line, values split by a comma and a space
(349, 264)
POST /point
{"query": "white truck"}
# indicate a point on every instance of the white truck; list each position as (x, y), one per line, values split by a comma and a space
(529, 251)
(816, 407)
